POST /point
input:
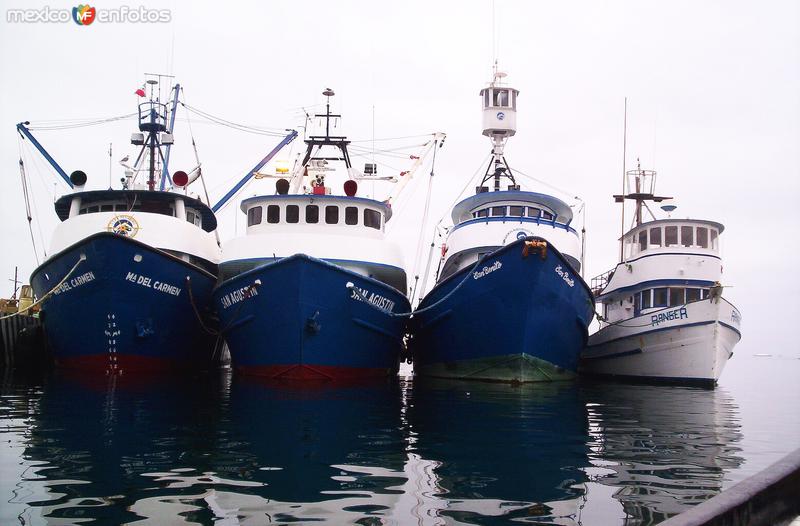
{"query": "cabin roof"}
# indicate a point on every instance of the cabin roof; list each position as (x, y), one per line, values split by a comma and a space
(559, 207)
(671, 221)
(89, 197)
(310, 198)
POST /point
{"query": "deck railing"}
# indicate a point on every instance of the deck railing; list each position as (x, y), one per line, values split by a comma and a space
(598, 283)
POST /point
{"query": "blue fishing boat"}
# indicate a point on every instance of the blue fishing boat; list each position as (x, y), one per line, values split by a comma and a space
(314, 290)
(127, 285)
(509, 303)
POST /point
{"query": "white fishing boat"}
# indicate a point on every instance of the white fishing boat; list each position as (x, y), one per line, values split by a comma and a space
(663, 315)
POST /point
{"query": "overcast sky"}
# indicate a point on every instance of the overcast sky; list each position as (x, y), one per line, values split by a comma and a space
(713, 105)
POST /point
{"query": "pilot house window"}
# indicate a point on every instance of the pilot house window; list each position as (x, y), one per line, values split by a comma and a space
(670, 236)
(351, 215)
(253, 216)
(331, 215)
(312, 214)
(273, 214)
(292, 213)
(687, 236)
(372, 219)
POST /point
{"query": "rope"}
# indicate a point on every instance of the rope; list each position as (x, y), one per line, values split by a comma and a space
(429, 307)
(195, 309)
(74, 267)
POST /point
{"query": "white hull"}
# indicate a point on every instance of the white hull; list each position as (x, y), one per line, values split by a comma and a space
(692, 342)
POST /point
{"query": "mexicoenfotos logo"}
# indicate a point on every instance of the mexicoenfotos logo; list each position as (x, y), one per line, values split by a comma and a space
(85, 15)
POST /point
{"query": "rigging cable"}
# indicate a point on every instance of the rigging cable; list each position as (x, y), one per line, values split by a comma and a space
(424, 222)
(26, 199)
(77, 123)
(233, 125)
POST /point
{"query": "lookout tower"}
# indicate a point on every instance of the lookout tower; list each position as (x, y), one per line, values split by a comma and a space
(499, 123)
(499, 108)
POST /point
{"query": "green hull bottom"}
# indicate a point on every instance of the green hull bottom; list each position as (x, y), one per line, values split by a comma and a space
(514, 368)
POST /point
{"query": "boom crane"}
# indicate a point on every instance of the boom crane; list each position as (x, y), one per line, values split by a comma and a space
(25, 132)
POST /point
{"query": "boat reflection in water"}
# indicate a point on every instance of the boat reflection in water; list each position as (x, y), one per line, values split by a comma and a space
(665, 448)
(223, 450)
(501, 452)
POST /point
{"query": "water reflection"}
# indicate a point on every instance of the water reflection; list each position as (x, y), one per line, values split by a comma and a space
(228, 451)
(503, 452)
(665, 448)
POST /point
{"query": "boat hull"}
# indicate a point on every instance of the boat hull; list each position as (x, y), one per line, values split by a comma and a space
(686, 344)
(302, 318)
(126, 307)
(521, 315)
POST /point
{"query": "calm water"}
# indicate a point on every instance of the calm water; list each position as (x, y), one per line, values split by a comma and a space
(226, 450)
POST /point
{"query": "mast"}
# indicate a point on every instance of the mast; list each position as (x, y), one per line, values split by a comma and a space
(314, 143)
(644, 184)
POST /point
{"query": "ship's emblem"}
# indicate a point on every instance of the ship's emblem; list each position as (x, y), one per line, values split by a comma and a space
(517, 233)
(124, 225)
(501, 115)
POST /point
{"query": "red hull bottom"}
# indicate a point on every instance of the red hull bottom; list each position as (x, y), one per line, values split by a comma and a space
(302, 372)
(120, 364)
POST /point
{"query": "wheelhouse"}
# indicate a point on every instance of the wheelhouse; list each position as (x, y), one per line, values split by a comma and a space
(176, 205)
(671, 235)
(315, 211)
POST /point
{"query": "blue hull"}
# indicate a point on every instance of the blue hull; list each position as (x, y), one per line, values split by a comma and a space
(304, 322)
(521, 315)
(126, 307)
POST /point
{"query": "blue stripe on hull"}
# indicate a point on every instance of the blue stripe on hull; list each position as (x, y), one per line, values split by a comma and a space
(524, 307)
(116, 311)
(303, 314)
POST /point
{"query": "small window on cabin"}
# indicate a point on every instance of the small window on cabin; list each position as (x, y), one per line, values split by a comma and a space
(331, 214)
(486, 98)
(714, 238)
(660, 297)
(93, 209)
(704, 293)
(372, 218)
(687, 236)
(120, 208)
(670, 236)
(702, 237)
(351, 215)
(637, 302)
(516, 211)
(273, 214)
(82, 211)
(292, 213)
(646, 299)
(483, 212)
(533, 212)
(190, 216)
(312, 214)
(513, 99)
(676, 296)
(253, 216)
(547, 215)
(692, 295)
(642, 240)
(106, 208)
(501, 97)
(655, 237)
(498, 211)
